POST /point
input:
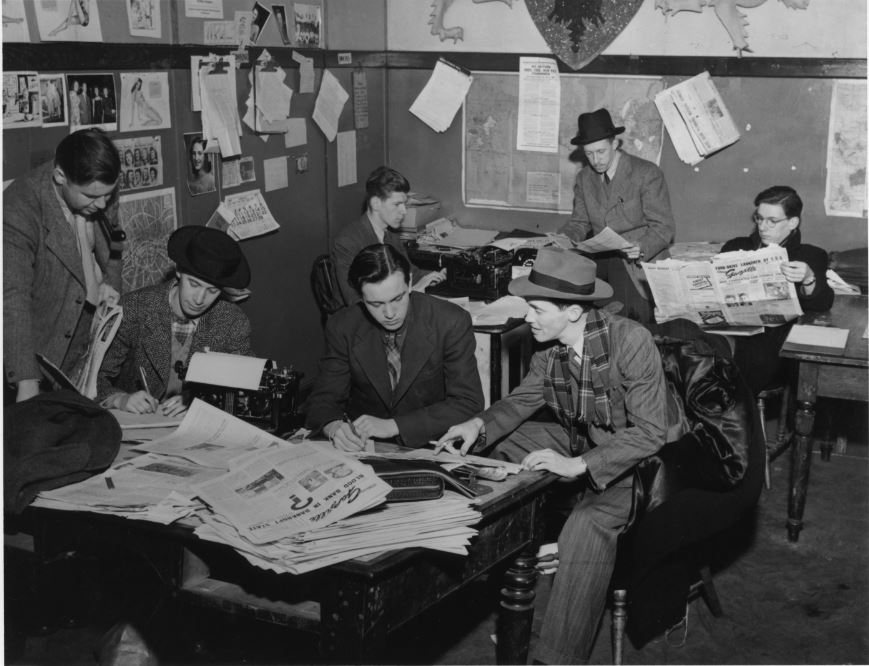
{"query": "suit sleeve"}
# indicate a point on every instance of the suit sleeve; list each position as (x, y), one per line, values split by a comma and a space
(328, 398)
(821, 298)
(579, 226)
(463, 391)
(21, 219)
(657, 214)
(639, 363)
(504, 416)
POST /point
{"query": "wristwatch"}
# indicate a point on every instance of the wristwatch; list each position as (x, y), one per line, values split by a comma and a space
(809, 283)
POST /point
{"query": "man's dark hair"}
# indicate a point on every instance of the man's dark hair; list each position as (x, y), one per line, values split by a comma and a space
(375, 263)
(88, 155)
(382, 182)
(781, 195)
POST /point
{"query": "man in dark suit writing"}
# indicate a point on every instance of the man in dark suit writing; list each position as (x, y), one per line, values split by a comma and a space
(398, 365)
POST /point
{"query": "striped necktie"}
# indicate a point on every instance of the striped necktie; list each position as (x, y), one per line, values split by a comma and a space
(393, 357)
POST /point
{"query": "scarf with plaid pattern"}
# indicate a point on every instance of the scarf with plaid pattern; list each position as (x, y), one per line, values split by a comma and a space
(591, 404)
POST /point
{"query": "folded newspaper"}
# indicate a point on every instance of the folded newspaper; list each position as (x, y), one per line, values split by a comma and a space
(743, 288)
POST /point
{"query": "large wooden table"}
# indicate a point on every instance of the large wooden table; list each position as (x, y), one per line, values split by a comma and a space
(821, 375)
(355, 605)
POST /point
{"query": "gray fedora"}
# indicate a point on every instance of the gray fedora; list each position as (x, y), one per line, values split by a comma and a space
(561, 275)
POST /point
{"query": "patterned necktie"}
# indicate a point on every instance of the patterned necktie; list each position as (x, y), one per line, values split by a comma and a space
(393, 357)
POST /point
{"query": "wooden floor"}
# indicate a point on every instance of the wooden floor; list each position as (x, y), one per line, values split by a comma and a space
(803, 603)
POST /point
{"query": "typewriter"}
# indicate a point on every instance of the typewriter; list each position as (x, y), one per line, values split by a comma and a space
(271, 406)
(481, 273)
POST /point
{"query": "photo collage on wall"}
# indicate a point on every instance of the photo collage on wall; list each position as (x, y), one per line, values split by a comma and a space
(141, 162)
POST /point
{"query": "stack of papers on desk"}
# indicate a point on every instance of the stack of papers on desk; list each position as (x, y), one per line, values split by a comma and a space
(285, 507)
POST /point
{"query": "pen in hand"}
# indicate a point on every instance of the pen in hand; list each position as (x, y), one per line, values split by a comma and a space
(369, 445)
(144, 380)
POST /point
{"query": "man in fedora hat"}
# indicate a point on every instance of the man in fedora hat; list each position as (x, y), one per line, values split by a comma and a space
(602, 378)
(627, 194)
(164, 324)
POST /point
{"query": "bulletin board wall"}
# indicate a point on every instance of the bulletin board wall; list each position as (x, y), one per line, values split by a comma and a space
(783, 121)
(284, 316)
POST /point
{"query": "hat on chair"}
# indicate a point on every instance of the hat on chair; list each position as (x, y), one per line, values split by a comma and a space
(595, 126)
(561, 275)
(210, 255)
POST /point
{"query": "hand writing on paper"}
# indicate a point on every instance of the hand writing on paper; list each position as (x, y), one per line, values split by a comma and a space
(140, 402)
(343, 436)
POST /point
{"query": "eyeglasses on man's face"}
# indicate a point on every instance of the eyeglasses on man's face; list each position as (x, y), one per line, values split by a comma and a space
(771, 221)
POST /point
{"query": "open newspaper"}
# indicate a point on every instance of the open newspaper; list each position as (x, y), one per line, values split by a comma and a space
(743, 288)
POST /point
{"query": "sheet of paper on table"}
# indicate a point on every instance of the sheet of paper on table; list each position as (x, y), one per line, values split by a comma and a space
(222, 369)
(499, 311)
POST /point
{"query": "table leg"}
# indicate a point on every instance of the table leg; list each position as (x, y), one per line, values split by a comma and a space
(801, 460)
(517, 611)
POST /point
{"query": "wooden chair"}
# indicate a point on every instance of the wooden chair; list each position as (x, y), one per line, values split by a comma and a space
(782, 440)
(662, 559)
(325, 287)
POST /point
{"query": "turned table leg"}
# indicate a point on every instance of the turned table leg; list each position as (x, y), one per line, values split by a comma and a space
(517, 611)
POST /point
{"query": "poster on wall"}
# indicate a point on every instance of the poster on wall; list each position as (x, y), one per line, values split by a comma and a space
(92, 101)
(259, 17)
(21, 105)
(200, 165)
(144, 101)
(307, 25)
(280, 13)
(68, 21)
(846, 151)
(141, 162)
(143, 18)
(15, 28)
(209, 9)
(52, 92)
(148, 218)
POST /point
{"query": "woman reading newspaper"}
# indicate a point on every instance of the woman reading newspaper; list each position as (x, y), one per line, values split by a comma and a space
(777, 221)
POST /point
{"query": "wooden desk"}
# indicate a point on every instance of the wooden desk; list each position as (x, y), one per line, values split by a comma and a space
(825, 376)
(503, 354)
(352, 606)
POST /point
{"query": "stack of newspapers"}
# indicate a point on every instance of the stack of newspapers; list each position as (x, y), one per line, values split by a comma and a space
(285, 507)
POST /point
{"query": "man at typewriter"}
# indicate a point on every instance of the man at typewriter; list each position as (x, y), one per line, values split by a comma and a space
(383, 212)
(399, 365)
(603, 379)
(164, 324)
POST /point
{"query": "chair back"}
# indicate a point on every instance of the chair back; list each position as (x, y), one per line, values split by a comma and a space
(324, 284)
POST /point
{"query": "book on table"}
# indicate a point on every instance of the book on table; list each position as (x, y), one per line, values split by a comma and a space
(816, 340)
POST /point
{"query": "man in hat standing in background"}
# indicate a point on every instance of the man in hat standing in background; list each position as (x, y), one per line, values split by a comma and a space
(627, 194)
(165, 323)
(603, 379)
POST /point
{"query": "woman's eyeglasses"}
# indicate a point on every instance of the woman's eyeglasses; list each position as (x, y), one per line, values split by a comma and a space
(771, 221)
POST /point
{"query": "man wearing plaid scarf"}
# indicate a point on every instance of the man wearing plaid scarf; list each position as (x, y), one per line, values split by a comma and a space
(603, 379)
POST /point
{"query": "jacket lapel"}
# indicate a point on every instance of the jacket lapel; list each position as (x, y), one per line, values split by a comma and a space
(60, 237)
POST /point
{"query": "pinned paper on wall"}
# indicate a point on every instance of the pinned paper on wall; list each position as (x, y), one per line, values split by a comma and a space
(196, 63)
(268, 104)
(144, 101)
(346, 146)
(297, 132)
(143, 18)
(219, 33)
(360, 99)
(236, 171)
(442, 96)
(330, 101)
(15, 27)
(306, 72)
(68, 21)
(220, 120)
(275, 173)
(210, 9)
(252, 215)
